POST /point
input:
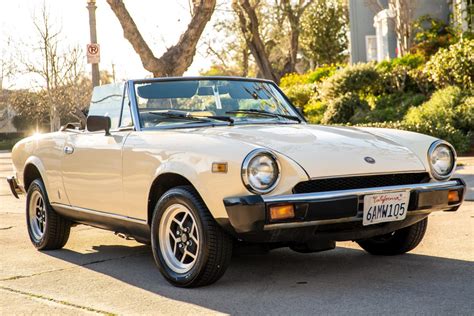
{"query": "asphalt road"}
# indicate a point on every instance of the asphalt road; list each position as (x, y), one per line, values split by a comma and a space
(98, 272)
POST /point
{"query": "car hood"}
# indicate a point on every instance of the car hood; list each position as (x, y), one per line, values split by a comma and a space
(324, 150)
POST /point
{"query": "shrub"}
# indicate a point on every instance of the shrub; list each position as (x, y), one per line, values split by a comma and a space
(344, 108)
(430, 35)
(396, 74)
(356, 79)
(315, 76)
(437, 111)
(411, 61)
(453, 65)
(464, 115)
(314, 110)
(422, 81)
(321, 73)
(293, 79)
(393, 107)
(300, 94)
(449, 115)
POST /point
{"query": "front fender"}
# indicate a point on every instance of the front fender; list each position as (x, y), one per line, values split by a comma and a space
(146, 156)
(215, 187)
(415, 142)
(36, 161)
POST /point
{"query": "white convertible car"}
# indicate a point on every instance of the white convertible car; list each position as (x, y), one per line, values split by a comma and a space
(198, 167)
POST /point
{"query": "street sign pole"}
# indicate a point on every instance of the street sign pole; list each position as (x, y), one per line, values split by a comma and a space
(93, 33)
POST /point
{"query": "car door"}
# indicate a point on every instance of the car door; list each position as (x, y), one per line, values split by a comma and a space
(92, 161)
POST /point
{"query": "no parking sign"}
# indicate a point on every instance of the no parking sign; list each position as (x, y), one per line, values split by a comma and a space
(93, 53)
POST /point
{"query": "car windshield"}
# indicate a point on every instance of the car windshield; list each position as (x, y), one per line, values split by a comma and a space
(164, 103)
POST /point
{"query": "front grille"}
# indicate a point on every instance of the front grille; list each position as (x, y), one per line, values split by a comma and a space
(360, 182)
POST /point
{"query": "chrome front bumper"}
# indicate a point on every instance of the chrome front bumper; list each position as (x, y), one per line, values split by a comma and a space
(249, 214)
(426, 204)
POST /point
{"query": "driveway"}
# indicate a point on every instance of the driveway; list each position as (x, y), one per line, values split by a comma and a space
(98, 272)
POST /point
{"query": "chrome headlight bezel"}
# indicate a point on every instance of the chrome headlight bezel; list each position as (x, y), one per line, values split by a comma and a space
(246, 169)
(433, 171)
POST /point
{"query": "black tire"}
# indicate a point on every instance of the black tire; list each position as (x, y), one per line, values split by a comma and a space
(215, 245)
(396, 243)
(56, 229)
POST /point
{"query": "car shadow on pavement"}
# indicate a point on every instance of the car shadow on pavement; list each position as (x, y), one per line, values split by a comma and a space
(343, 280)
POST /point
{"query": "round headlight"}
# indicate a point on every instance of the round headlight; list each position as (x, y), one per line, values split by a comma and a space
(260, 171)
(442, 158)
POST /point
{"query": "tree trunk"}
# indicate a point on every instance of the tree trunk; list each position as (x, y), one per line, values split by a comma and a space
(249, 26)
(245, 62)
(403, 10)
(294, 17)
(177, 59)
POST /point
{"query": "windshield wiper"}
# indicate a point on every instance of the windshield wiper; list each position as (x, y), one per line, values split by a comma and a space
(220, 118)
(264, 113)
(188, 116)
(179, 115)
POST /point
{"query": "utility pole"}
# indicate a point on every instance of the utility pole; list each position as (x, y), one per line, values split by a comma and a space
(93, 32)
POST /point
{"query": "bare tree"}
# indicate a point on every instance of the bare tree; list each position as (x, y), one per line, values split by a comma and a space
(294, 12)
(8, 64)
(286, 14)
(404, 12)
(250, 28)
(57, 67)
(177, 59)
(226, 46)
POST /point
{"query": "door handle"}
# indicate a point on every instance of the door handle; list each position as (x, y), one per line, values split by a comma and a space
(68, 150)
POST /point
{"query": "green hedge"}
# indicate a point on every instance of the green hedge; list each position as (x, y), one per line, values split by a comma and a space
(300, 94)
(8, 140)
(345, 109)
(449, 106)
(356, 79)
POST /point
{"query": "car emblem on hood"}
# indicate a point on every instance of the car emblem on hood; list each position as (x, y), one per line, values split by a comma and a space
(369, 159)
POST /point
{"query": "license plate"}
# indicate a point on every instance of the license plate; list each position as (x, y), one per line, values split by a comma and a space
(385, 207)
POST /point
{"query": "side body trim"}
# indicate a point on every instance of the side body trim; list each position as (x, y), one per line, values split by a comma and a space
(137, 228)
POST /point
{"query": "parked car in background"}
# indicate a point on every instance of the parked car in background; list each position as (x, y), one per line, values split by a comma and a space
(198, 166)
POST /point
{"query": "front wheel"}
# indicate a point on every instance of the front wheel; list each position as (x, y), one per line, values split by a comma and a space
(396, 243)
(189, 247)
(47, 229)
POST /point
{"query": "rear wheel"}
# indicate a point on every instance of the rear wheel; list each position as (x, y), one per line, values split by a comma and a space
(47, 229)
(396, 243)
(189, 247)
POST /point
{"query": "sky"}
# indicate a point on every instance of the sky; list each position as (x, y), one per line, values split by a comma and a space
(161, 22)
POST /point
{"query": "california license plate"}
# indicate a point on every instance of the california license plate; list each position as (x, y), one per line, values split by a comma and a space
(385, 207)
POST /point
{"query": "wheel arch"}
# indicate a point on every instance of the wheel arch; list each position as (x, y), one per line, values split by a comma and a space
(162, 183)
(33, 170)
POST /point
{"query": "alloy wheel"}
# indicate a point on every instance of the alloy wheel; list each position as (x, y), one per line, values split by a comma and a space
(37, 215)
(179, 238)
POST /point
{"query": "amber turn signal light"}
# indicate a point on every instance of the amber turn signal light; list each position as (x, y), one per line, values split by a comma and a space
(219, 167)
(453, 196)
(280, 212)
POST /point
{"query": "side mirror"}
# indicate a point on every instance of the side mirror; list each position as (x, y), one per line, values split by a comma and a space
(98, 123)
